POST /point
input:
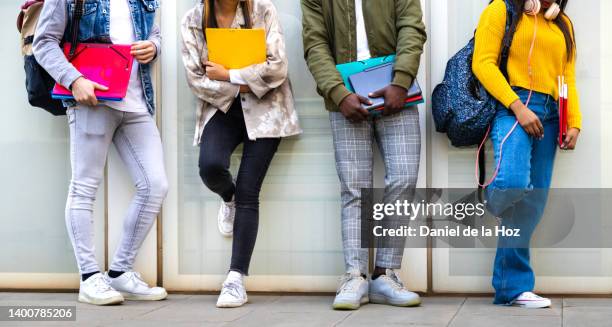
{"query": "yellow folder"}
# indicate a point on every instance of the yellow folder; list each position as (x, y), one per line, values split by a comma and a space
(236, 48)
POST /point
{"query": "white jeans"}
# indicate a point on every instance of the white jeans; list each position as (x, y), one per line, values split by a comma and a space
(92, 130)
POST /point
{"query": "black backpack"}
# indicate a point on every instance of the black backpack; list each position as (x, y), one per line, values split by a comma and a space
(39, 84)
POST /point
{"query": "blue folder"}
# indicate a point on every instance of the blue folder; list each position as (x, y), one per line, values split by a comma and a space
(351, 68)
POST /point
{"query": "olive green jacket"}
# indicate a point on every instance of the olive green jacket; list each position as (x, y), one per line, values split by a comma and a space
(330, 38)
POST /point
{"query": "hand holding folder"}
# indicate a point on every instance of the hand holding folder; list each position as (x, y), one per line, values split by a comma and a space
(106, 64)
(365, 77)
(376, 78)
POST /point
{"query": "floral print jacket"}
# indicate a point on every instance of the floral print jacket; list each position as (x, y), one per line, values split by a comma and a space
(269, 109)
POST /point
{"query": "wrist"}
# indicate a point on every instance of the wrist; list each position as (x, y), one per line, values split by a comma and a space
(226, 76)
(338, 94)
(517, 107)
(155, 48)
(400, 88)
(402, 79)
(75, 82)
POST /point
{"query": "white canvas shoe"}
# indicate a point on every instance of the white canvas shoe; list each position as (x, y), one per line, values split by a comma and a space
(529, 300)
(132, 287)
(225, 218)
(96, 290)
(233, 294)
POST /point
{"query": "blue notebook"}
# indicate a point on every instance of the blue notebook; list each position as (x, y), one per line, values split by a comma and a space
(351, 68)
(376, 78)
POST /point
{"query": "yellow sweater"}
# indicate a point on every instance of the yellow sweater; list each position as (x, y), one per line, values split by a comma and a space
(549, 59)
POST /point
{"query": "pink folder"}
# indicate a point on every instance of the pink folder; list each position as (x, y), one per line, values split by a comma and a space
(106, 64)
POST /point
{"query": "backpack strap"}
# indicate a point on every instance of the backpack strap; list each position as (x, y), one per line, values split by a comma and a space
(20, 20)
(482, 168)
(75, 25)
(512, 19)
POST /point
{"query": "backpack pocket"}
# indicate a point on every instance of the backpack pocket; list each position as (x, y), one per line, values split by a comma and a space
(39, 86)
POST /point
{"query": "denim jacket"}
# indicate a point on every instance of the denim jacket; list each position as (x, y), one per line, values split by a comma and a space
(54, 29)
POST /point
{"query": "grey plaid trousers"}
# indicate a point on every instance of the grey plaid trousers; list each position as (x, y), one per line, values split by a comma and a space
(399, 140)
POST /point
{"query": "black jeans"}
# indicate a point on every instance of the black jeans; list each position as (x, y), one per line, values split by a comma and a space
(221, 136)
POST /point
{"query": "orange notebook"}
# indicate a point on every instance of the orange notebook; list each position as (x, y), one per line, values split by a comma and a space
(236, 48)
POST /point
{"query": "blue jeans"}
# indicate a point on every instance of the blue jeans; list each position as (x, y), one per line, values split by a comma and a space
(519, 193)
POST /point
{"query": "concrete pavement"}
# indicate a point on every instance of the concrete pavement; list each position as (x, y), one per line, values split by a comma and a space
(291, 310)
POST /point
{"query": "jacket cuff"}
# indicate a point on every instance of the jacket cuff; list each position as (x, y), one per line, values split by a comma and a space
(338, 93)
(254, 81)
(402, 79)
(236, 78)
(157, 45)
(69, 78)
(508, 99)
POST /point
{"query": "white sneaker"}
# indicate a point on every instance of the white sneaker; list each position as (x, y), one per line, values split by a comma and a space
(96, 290)
(352, 292)
(389, 289)
(530, 300)
(225, 218)
(132, 287)
(233, 293)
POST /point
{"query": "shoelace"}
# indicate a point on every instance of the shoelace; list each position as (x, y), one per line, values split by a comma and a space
(227, 209)
(348, 283)
(231, 288)
(396, 282)
(531, 296)
(137, 279)
(101, 285)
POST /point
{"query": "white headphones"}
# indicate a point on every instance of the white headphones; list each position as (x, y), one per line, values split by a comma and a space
(533, 7)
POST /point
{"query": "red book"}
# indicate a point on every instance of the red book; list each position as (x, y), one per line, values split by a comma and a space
(106, 64)
(563, 103)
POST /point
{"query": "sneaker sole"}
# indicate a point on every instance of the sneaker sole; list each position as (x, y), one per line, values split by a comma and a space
(381, 299)
(232, 304)
(532, 305)
(110, 301)
(351, 306)
(224, 234)
(140, 297)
